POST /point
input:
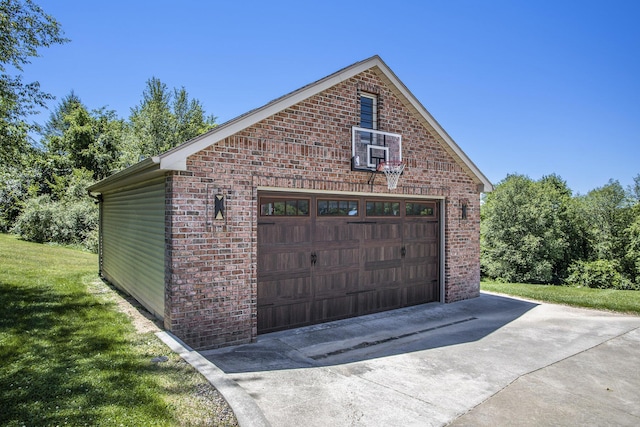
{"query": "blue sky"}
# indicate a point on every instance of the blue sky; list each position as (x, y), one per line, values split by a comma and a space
(530, 87)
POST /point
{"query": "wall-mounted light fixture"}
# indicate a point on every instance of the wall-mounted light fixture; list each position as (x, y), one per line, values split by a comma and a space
(464, 208)
(218, 208)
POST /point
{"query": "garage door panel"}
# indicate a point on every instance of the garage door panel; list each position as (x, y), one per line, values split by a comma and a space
(335, 308)
(284, 232)
(421, 231)
(284, 262)
(273, 318)
(337, 258)
(382, 251)
(416, 251)
(327, 231)
(284, 290)
(336, 282)
(381, 231)
(379, 300)
(383, 264)
(381, 278)
(419, 293)
(416, 271)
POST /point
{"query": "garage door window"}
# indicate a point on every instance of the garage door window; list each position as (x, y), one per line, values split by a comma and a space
(382, 208)
(337, 207)
(420, 209)
(284, 207)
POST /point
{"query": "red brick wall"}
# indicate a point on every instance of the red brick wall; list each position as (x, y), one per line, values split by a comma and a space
(211, 272)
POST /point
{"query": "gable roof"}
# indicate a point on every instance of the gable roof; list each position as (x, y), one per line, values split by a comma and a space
(176, 158)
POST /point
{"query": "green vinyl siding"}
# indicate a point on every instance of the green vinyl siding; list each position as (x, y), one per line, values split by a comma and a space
(133, 242)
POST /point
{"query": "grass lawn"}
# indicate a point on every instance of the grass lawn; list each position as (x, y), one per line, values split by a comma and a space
(602, 299)
(68, 356)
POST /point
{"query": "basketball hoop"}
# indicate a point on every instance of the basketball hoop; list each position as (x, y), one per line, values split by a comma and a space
(392, 170)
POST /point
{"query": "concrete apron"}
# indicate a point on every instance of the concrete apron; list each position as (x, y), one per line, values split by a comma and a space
(492, 360)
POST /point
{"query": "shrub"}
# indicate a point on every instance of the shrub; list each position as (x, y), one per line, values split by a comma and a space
(68, 223)
(14, 189)
(36, 222)
(600, 274)
(90, 241)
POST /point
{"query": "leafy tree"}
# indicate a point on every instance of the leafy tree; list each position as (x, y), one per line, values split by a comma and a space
(607, 211)
(190, 119)
(163, 120)
(634, 189)
(56, 126)
(632, 255)
(152, 121)
(24, 29)
(527, 231)
(78, 138)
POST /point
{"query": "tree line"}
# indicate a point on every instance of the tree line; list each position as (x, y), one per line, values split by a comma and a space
(43, 178)
(539, 232)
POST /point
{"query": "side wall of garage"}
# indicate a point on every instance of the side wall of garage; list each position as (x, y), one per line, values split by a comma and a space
(212, 272)
(133, 244)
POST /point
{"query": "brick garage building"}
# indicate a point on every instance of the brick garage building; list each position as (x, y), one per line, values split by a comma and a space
(278, 218)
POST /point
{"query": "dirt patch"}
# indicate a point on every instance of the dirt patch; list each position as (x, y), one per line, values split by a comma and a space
(141, 319)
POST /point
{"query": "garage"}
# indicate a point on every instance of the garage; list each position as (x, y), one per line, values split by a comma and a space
(324, 257)
(342, 198)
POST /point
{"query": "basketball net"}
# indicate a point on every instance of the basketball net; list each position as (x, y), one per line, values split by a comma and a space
(392, 170)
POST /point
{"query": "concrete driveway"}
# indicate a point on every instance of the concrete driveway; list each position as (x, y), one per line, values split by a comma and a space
(492, 361)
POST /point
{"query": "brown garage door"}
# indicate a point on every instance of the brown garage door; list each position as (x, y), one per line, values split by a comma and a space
(323, 258)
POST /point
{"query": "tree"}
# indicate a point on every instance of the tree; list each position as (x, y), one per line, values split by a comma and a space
(634, 190)
(56, 125)
(152, 121)
(190, 118)
(79, 139)
(526, 230)
(607, 211)
(163, 120)
(24, 29)
(632, 256)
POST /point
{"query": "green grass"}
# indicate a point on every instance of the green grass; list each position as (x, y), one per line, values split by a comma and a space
(601, 299)
(69, 357)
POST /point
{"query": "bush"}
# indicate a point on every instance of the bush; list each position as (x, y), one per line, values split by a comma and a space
(90, 241)
(68, 223)
(36, 222)
(600, 274)
(14, 189)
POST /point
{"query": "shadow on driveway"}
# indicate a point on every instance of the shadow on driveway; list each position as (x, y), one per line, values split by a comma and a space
(377, 335)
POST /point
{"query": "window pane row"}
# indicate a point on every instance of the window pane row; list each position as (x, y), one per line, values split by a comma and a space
(301, 207)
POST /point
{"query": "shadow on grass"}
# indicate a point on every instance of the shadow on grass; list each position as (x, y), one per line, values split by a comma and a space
(68, 358)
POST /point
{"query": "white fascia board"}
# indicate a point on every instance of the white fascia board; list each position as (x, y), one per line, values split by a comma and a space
(179, 164)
